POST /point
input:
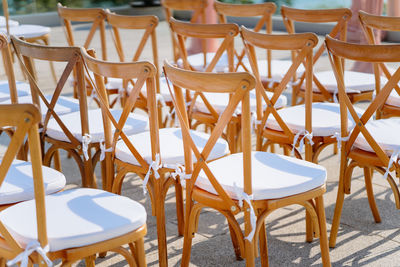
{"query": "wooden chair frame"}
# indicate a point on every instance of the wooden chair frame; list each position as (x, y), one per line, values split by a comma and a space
(145, 74)
(197, 7)
(25, 117)
(370, 161)
(303, 44)
(238, 85)
(370, 22)
(227, 33)
(340, 16)
(26, 52)
(263, 10)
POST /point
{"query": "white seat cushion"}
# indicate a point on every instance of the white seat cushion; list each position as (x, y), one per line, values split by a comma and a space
(197, 61)
(355, 82)
(220, 101)
(136, 123)
(279, 68)
(393, 99)
(11, 23)
(23, 89)
(76, 218)
(18, 184)
(171, 146)
(385, 132)
(325, 119)
(64, 104)
(273, 175)
(27, 31)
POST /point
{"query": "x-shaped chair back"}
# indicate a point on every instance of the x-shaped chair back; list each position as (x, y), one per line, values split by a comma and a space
(370, 23)
(263, 10)
(146, 23)
(25, 119)
(145, 74)
(238, 86)
(303, 44)
(368, 53)
(8, 66)
(26, 53)
(340, 16)
(197, 7)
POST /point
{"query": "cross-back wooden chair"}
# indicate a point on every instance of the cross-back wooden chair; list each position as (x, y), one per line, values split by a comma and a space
(371, 144)
(369, 23)
(239, 182)
(69, 225)
(311, 124)
(156, 155)
(32, 33)
(360, 85)
(197, 7)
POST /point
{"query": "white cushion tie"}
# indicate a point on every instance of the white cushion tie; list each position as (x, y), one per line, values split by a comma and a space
(32, 246)
(393, 158)
(271, 81)
(179, 172)
(86, 140)
(93, 96)
(307, 135)
(155, 166)
(103, 150)
(254, 122)
(253, 219)
(339, 139)
(291, 84)
(160, 99)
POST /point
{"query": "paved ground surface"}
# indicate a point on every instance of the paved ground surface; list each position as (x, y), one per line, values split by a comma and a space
(361, 242)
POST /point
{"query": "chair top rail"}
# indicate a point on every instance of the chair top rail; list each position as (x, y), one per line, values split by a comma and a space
(80, 14)
(245, 10)
(203, 30)
(184, 4)
(379, 22)
(131, 22)
(315, 15)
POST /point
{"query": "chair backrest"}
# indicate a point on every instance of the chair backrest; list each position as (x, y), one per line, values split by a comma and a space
(8, 66)
(197, 7)
(145, 74)
(367, 53)
(95, 16)
(25, 118)
(264, 11)
(146, 23)
(226, 32)
(339, 16)
(238, 86)
(26, 53)
(303, 43)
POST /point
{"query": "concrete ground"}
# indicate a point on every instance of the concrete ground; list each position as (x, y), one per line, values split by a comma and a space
(361, 241)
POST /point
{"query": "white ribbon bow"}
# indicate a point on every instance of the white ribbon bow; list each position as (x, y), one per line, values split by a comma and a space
(86, 140)
(179, 172)
(92, 96)
(307, 135)
(103, 150)
(253, 219)
(32, 246)
(154, 166)
(339, 139)
(393, 158)
(160, 99)
(254, 122)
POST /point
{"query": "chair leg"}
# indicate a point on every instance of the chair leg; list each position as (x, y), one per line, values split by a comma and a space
(264, 247)
(235, 243)
(190, 225)
(140, 252)
(323, 239)
(179, 208)
(57, 161)
(370, 194)
(160, 217)
(89, 261)
(250, 255)
(309, 228)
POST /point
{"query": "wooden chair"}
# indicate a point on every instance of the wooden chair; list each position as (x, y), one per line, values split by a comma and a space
(370, 22)
(156, 155)
(238, 182)
(197, 7)
(371, 144)
(32, 33)
(360, 85)
(70, 225)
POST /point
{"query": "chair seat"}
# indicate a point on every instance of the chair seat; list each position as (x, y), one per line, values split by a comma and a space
(355, 82)
(279, 68)
(23, 89)
(385, 132)
(64, 104)
(273, 175)
(393, 99)
(18, 184)
(197, 62)
(136, 123)
(171, 146)
(11, 23)
(220, 101)
(325, 119)
(27, 31)
(75, 218)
